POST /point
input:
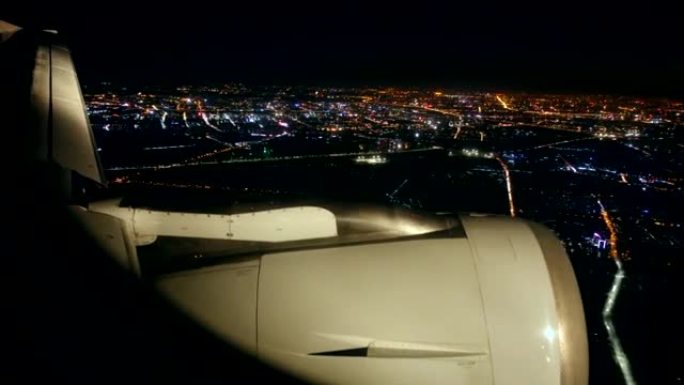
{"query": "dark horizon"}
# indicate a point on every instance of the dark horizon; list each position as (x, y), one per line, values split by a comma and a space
(584, 49)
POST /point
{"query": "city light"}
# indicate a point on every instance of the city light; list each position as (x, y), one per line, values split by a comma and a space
(374, 159)
(420, 148)
(598, 241)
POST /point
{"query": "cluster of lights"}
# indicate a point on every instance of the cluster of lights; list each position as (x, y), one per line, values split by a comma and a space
(475, 153)
(374, 159)
(598, 241)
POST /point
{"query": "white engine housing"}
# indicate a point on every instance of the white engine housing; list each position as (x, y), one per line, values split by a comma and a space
(499, 305)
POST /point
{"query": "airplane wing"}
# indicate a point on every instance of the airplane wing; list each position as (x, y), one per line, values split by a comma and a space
(54, 116)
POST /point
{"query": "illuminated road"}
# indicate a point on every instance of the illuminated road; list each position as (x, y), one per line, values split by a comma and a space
(162, 117)
(392, 196)
(612, 230)
(503, 103)
(568, 165)
(635, 148)
(560, 142)
(163, 120)
(623, 178)
(437, 110)
(430, 109)
(458, 131)
(509, 187)
(230, 120)
(230, 145)
(199, 160)
(206, 121)
(618, 353)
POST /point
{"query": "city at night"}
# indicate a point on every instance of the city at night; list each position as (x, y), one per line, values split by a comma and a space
(382, 205)
(605, 173)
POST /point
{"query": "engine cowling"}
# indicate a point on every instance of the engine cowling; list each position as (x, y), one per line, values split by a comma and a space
(492, 301)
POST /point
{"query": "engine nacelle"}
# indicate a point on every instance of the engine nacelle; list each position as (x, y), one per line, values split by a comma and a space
(492, 301)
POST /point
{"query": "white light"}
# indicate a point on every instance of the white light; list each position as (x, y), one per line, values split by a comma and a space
(549, 334)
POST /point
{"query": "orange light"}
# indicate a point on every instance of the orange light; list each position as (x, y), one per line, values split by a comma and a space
(613, 233)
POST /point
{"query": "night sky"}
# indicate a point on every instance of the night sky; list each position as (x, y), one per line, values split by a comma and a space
(560, 46)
